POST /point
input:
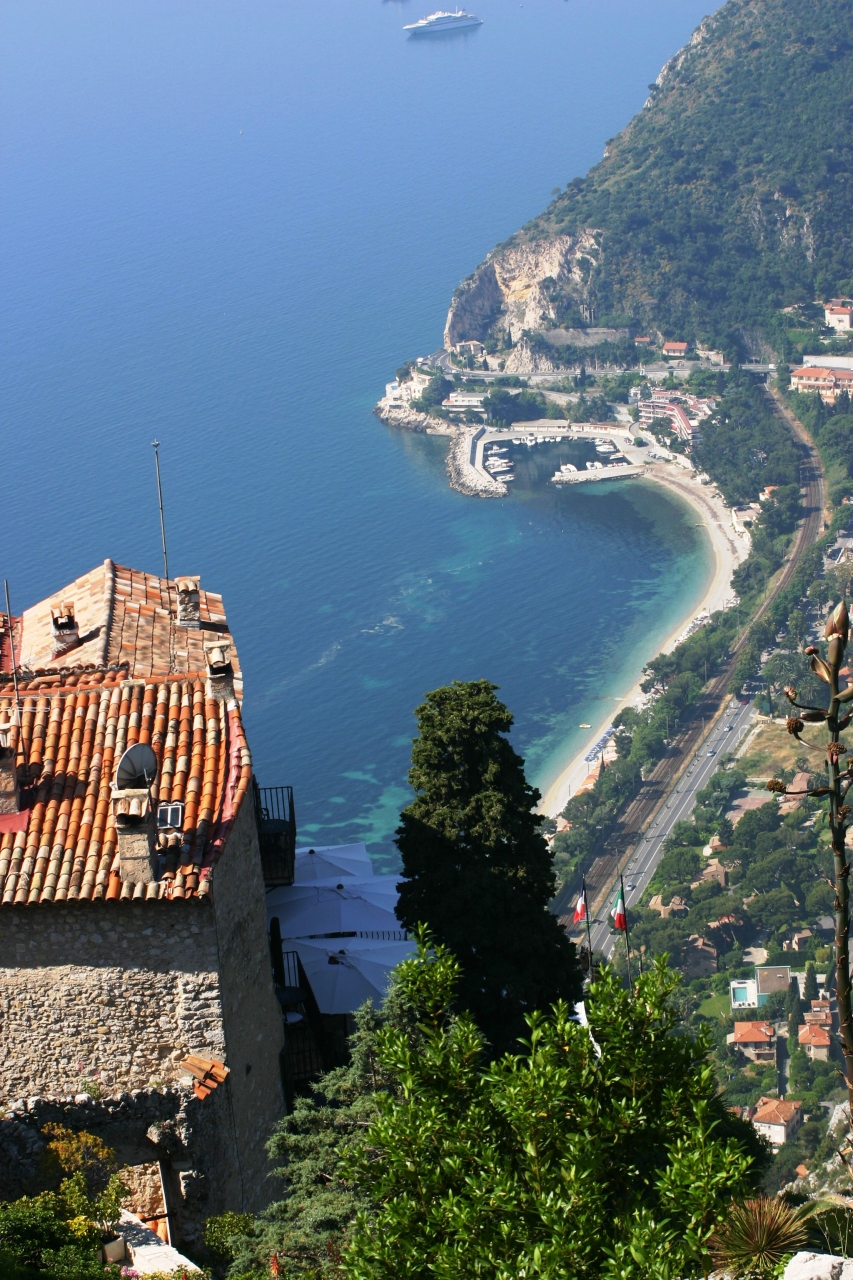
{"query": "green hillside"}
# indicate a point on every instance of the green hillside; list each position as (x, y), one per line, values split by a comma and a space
(731, 193)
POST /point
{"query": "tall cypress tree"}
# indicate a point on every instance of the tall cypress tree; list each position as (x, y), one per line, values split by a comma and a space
(477, 869)
(792, 1013)
(810, 991)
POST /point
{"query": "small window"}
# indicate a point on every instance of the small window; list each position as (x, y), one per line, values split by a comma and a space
(171, 816)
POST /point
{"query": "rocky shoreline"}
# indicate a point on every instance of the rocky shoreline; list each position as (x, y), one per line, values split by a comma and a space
(412, 419)
(462, 475)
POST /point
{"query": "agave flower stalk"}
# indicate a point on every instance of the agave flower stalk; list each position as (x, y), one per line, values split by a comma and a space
(837, 635)
(840, 778)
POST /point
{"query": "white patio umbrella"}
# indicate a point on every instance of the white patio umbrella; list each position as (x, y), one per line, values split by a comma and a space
(322, 862)
(344, 906)
(344, 972)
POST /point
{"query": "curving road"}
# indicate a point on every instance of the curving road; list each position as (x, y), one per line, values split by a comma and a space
(668, 795)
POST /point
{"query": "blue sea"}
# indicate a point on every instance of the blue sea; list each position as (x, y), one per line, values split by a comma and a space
(223, 225)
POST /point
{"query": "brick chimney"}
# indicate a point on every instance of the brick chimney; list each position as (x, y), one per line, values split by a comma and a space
(220, 673)
(136, 832)
(66, 634)
(189, 602)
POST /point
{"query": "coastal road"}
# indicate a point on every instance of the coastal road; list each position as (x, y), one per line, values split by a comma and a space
(642, 816)
(724, 737)
(440, 361)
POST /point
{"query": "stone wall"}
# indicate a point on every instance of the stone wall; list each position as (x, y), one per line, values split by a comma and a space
(113, 993)
(254, 1030)
(172, 1145)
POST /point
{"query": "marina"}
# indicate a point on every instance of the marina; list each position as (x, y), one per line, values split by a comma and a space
(484, 467)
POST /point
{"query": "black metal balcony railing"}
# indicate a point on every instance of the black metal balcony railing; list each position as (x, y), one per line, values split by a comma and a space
(308, 1051)
(276, 819)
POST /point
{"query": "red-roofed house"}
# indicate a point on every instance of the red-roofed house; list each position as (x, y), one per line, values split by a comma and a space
(134, 960)
(699, 958)
(825, 382)
(816, 1041)
(675, 348)
(820, 1014)
(755, 1040)
(777, 1119)
(838, 316)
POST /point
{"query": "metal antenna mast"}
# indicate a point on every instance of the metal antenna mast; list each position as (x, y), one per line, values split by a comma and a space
(155, 444)
(18, 716)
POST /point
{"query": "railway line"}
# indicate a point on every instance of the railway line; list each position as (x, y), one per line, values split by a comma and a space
(651, 808)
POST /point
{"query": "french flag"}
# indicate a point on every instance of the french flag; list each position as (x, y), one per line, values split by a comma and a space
(580, 907)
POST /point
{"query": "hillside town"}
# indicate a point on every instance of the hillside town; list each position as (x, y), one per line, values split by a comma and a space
(402, 886)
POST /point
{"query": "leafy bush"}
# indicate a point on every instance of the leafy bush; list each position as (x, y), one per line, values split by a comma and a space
(40, 1234)
(596, 1153)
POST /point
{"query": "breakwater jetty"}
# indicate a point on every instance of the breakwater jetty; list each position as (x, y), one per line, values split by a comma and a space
(468, 458)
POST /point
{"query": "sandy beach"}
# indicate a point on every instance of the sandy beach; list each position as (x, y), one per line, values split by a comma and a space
(729, 549)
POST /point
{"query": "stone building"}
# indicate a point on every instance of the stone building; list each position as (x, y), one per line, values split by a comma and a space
(136, 995)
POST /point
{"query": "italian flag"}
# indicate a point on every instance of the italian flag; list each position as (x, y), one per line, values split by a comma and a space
(580, 908)
(617, 911)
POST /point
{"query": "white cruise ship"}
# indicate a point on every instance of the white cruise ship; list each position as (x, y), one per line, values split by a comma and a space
(441, 21)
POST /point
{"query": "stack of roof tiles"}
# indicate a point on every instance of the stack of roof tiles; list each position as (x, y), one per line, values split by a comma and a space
(77, 720)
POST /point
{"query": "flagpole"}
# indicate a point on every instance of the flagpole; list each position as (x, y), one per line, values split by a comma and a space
(588, 933)
(627, 943)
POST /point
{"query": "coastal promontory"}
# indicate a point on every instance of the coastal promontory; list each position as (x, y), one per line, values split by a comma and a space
(726, 198)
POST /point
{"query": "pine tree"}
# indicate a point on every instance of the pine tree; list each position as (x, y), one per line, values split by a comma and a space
(309, 1226)
(477, 870)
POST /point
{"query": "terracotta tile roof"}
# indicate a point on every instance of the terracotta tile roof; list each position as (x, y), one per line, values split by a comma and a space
(80, 712)
(821, 373)
(817, 1037)
(123, 616)
(753, 1033)
(775, 1111)
(208, 1074)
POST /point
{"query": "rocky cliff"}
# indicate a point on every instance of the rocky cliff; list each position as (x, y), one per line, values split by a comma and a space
(726, 198)
(520, 287)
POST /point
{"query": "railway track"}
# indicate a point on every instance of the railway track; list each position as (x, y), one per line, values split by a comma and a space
(615, 851)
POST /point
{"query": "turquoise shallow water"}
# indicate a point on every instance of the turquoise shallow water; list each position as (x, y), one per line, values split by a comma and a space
(224, 224)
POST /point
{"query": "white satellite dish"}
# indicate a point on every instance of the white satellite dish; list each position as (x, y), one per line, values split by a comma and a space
(137, 767)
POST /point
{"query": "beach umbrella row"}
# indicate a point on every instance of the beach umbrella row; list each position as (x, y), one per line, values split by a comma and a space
(343, 906)
(322, 862)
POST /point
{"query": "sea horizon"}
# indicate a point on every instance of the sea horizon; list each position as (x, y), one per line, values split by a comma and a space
(224, 231)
